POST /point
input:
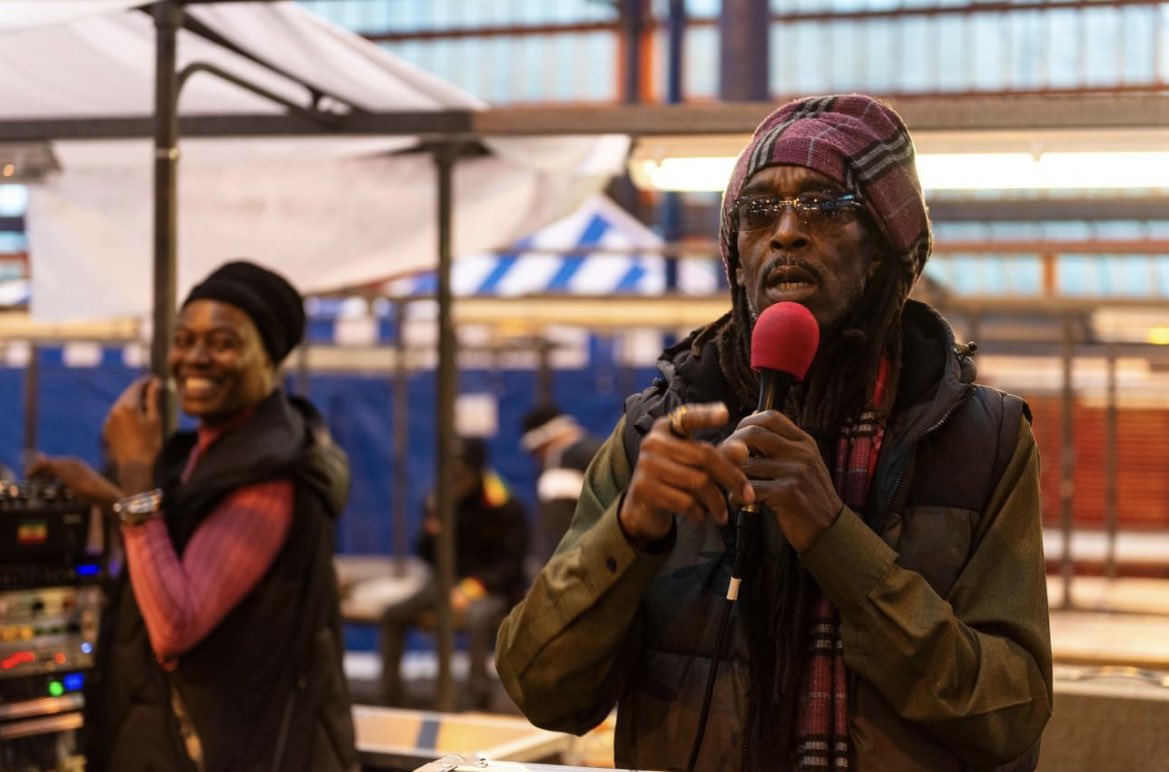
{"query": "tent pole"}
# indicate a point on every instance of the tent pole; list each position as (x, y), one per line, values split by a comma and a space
(400, 473)
(1067, 463)
(167, 19)
(1111, 418)
(444, 159)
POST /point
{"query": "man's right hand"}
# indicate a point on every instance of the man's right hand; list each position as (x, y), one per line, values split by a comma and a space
(678, 475)
(77, 476)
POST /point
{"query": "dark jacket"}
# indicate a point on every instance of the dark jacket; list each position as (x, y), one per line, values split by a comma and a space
(491, 539)
(939, 583)
(265, 689)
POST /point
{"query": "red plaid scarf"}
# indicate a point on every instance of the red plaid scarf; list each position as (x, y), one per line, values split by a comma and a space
(822, 718)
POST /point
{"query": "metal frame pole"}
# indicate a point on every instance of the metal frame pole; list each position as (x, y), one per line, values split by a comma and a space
(1067, 459)
(1110, 450)
(633, 26)
(745, 53)
(444, 159)
(167, 20)
(671, 205)
(400, 473)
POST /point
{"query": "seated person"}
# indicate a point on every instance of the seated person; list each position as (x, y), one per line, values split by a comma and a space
(491, 540)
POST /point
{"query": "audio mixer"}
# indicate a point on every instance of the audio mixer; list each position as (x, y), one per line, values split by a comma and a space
(50, 607)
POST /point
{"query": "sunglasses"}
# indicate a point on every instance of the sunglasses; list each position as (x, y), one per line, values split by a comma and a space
(759, 212)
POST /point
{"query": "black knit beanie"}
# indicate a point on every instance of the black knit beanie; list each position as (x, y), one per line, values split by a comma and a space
(273, 304)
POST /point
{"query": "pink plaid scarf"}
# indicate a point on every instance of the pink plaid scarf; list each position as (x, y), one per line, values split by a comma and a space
(822, 719)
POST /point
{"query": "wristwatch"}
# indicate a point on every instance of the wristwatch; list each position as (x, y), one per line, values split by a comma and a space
(139, 508)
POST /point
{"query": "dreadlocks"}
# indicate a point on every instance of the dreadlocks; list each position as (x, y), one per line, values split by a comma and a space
(820, 404)
(865, 148)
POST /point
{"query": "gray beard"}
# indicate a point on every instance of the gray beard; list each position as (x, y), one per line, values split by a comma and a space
(831, 325)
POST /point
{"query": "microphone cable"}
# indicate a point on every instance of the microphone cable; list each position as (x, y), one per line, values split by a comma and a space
(784, 341)
(747, 518)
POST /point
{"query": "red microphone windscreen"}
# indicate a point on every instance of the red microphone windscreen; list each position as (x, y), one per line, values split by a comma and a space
(785, 339)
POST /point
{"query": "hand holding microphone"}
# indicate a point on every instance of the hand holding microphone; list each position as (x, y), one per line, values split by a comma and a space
(784, 463)
(676, 474)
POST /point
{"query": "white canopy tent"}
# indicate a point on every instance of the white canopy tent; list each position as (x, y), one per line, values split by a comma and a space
(325, 208)
(330, 211)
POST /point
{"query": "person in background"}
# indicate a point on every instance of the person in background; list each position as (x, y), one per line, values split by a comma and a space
(222, 645)
(563, 449)
(893, 611)
(491, 541)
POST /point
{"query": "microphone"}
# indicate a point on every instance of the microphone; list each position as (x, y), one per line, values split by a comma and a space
(783, 345)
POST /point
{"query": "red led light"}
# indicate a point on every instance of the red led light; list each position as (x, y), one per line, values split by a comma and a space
(59, 658)
(17, 659)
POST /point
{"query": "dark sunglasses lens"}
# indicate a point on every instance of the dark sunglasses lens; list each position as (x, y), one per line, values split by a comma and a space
(814, 207)
(754, 215)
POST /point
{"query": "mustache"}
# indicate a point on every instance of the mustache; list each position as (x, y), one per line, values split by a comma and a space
(793, 262)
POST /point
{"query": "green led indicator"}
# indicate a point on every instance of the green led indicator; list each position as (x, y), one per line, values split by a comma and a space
(56, 689)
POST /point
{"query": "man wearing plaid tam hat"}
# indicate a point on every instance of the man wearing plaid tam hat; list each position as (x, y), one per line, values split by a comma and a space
(893, 614)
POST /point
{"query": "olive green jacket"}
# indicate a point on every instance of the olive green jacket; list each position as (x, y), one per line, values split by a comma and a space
(944, 620)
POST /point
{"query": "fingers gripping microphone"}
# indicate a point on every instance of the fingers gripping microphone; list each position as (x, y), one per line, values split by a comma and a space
(783, 345)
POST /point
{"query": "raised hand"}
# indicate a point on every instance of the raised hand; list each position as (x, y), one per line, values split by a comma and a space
(133, 433)
(677, 475)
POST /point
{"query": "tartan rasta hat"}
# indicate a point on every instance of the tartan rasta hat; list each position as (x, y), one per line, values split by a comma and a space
(859, 143)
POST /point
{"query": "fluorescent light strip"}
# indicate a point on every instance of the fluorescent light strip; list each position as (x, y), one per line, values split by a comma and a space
(682, 174)
(950, 171)
(1050, 171)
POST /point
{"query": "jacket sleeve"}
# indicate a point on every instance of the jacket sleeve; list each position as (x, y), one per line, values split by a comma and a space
(566, 651)
(973, 668)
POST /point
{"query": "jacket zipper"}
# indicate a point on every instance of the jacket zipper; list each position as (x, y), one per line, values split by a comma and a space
(912, 447)
(747, 735)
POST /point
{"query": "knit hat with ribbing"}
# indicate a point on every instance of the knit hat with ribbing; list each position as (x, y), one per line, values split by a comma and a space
(273, 304)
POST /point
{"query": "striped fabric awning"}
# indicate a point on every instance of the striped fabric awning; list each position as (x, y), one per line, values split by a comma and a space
(15, 293)
(598, 249)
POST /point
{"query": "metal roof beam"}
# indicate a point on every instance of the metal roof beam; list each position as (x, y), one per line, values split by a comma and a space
(926, 113)
(447, 123)
(1092, 209)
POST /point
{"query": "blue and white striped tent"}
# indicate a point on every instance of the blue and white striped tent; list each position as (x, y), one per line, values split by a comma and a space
(15, 293)
(537, 264)
(598, 249)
